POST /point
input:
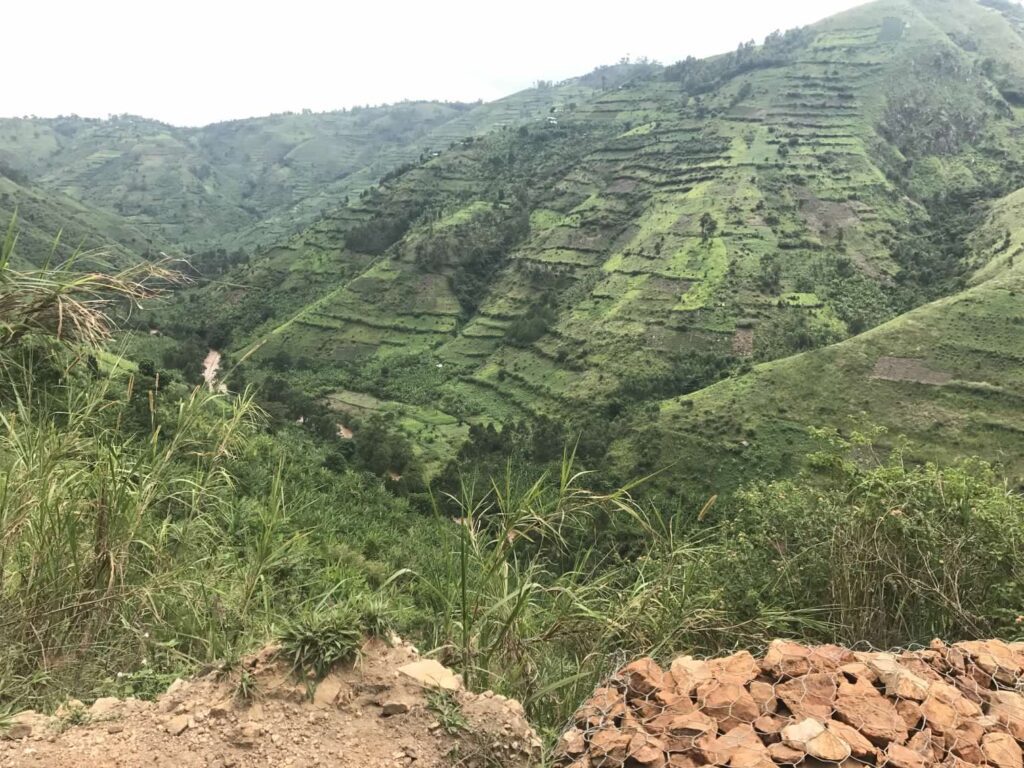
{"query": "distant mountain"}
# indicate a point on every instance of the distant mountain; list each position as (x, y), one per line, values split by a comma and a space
(245, 182)
(665, 230)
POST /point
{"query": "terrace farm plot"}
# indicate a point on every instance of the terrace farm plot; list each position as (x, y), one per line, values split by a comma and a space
(948, 376)
(435, 436)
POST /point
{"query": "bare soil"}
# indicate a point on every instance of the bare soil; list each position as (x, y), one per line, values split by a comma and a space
(211, 367)
(743, 342)
(908, 369)
(365, 716)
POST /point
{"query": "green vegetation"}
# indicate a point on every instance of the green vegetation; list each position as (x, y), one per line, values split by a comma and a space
(662, 235)
(317, 642)
(449, 713)
(141, 534)
(780, 285)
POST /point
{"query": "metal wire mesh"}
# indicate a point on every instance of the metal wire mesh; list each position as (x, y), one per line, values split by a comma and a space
(955, 705)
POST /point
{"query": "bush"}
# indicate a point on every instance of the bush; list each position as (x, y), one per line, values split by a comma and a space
(889, 554)
(314, 643)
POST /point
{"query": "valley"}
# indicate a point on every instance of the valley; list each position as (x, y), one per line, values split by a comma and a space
(614, 248)
(666, 360)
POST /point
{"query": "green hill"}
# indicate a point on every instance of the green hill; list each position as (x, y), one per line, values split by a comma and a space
(679, 270)
(657, 235)
(43, 215)
(948, 376)
(245, 182)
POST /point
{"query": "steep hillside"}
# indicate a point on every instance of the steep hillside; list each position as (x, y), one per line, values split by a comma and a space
(43, 215)
(949, 376)
(657, 236)
(245, 182)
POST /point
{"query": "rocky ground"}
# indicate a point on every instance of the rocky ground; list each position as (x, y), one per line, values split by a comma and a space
(392, 710)
(955, 706)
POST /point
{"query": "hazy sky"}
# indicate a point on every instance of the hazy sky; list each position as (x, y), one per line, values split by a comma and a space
(191, 62)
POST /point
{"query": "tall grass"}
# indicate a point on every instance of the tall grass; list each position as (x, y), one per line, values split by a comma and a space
(112, 547)
(61, 303)
(109, 546)
(533, 590)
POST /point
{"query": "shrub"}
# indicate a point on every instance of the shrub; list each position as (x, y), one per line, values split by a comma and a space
(315, 642)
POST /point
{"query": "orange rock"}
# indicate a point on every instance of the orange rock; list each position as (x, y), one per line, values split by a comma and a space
(860, 747)
(1002, 750)
(814, 739)
(660, 703)
(952, 761)
(684, 732)
(904, 684)
(956, 659)
(646, 749)
(995, 658)
(740, 747)
(729, 703)
(965, 741)
(764, 695)
(812, 695)
(856, 670)
(609, 747)
(680, 760)
(829, 658)
(687, 673)
(1018, 648)
(871, 714)
(786, 659)
(642, 677)
(926, 745)
(964, 706)
(910, 711)
(606, 705)
(924, 664)
(972, 689)
(940, 715)
(861, 686)
(898, 679)
(739, 668)
(1007, 708)
(784, 754)
(770, 725)
(573, 743)
(946, 709)
(899, 756)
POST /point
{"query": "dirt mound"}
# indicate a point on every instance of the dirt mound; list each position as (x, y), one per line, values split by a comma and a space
(391, 709)
(955, 706)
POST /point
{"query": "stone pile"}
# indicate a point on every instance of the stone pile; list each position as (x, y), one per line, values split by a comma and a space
(954, 706)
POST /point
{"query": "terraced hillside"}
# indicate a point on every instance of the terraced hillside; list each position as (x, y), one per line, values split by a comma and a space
(654, 237)
(245, 182)
(948, 376)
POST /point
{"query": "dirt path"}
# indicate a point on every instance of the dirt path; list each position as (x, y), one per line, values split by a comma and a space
(211, 367)
(391, 710)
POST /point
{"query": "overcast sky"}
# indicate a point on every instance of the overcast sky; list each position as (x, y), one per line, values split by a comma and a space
(192, 62)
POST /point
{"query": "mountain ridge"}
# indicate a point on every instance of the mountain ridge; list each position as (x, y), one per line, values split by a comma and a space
(657, 236)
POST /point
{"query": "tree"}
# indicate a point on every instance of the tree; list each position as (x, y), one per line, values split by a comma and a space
(708, 227)
(771, 273)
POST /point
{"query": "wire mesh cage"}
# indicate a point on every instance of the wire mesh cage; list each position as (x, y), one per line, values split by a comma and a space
(957, 706)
